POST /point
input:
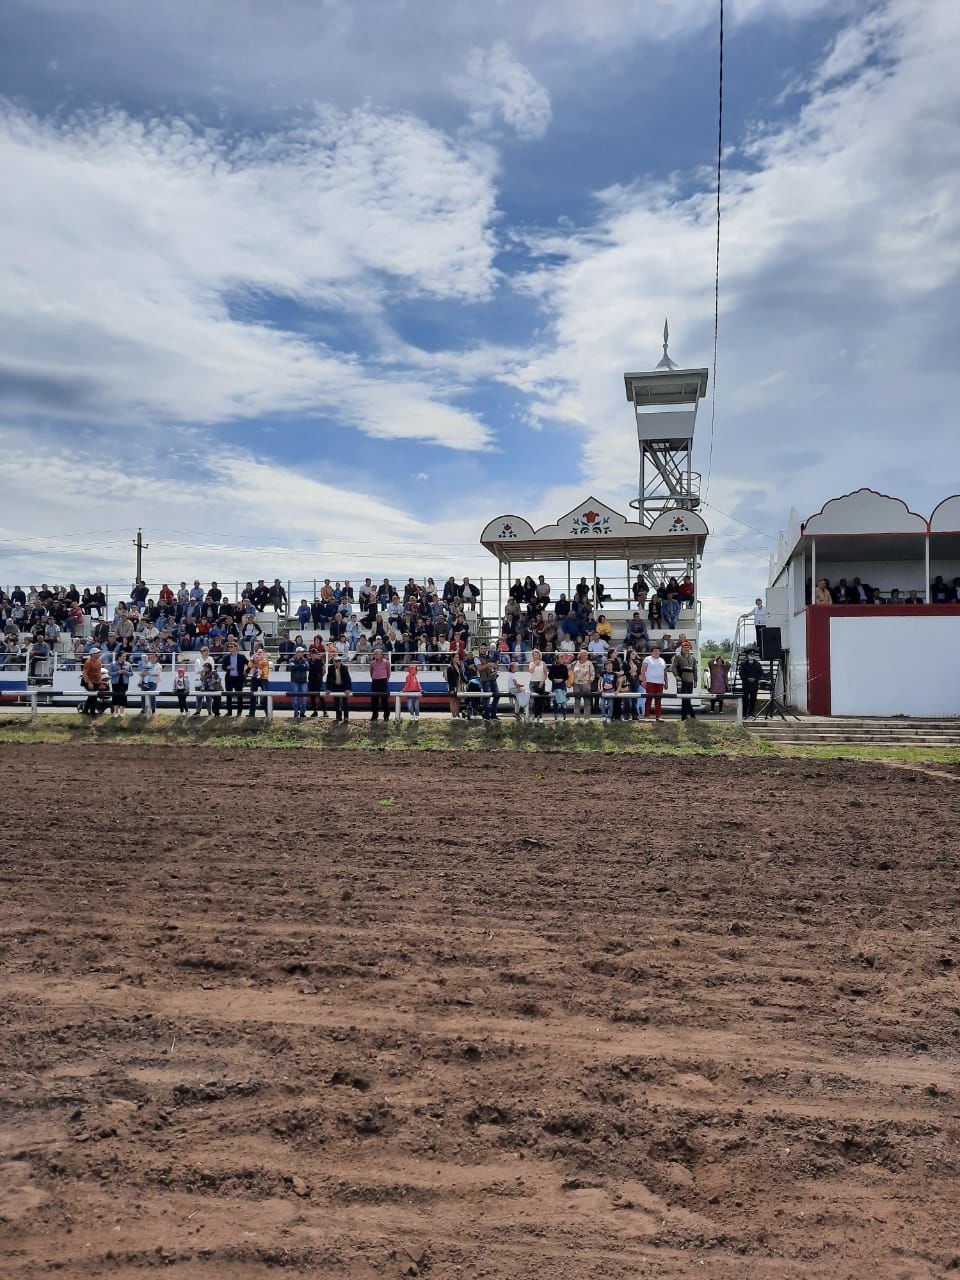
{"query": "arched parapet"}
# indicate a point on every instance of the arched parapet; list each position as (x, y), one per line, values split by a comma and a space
(864, 511)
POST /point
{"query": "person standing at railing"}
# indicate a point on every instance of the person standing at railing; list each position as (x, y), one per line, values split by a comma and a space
(316, 673)
(339, 682)
(379, 685)
(299, 676)
(149, 683)
(653, 674)
(609, 686)
(413, 689)
(454, 677)
(718, 671)
(684, 668)
(259, 667)
(538, 685)
(583, 677)
(121, 673)
(90, 678)
(234, 664)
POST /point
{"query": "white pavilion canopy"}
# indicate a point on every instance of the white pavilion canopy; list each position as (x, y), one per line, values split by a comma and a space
(594, 531)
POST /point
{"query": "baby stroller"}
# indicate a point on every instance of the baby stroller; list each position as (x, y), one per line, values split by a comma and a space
(98, 700)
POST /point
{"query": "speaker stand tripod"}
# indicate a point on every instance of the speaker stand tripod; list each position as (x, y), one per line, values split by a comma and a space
(773, 706)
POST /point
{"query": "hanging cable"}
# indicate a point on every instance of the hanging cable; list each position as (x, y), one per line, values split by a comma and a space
(716, 282)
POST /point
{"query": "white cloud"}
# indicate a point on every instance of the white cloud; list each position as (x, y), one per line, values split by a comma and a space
(497, 85)
(840, 274)
(128, 243)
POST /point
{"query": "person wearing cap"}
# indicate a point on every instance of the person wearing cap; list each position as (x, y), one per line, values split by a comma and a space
(90, 678)
(299, 669)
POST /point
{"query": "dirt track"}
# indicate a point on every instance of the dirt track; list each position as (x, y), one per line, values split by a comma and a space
(476, 1016)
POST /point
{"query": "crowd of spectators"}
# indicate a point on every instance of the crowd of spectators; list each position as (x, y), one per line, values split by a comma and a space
(418, 620)
(857, 592)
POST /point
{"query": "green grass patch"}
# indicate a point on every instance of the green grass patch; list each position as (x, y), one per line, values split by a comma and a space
(702, 738)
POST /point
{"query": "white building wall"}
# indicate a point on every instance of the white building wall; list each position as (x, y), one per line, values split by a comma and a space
(895, 666)
(795, 632)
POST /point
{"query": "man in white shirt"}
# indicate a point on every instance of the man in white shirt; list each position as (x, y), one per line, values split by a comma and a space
(759, 621)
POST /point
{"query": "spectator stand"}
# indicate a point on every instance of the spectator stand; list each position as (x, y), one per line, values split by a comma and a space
(889, 584)
(595, 535)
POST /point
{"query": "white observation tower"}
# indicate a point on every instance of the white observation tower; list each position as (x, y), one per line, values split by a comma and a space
(665, 402)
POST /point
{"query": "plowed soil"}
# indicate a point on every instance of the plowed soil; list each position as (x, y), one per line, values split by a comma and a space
(360, 1015)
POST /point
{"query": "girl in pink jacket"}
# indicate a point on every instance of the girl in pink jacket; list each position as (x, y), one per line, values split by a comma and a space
(413, 689)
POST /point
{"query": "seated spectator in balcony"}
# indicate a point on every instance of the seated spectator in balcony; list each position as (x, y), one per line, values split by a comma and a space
(913, 598)
(304, 614)
(542, 592)
(598, 648)
(839, 592)
(286, 648)
(603, 628)
(529, 590)
(876, 596)
(251, 634)
(955, 591)
(895, 596)
(338, 628)
(858, 592)
(581, 592)
(670, 611)
(600, 593)
(823, 594)
(562, 607)
(640, 591)
(75, 619)
(655, 611)
(572, 627)
(39, 655)
(469, 593)
(567, 648)
(686, 593)
(278, 596)
(165, 595)
(638, 637)
(260, 596)
(940, 593)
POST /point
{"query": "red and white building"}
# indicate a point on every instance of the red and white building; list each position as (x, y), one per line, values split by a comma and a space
(878, 659)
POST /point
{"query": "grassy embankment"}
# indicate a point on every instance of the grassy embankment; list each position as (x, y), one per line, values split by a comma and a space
(440, 734)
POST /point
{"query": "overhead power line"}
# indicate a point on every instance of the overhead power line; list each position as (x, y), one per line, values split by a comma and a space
(716, 281)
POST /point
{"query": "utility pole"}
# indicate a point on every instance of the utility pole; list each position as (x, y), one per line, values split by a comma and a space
(139, 543)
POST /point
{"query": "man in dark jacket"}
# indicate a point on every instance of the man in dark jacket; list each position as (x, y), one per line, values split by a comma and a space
(234, 664)
(751, 672)
(339, 681)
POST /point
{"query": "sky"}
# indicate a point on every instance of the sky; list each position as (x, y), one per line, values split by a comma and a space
(320, 287)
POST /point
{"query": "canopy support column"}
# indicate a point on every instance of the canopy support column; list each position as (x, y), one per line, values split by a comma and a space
(926, 567)
(813, 570)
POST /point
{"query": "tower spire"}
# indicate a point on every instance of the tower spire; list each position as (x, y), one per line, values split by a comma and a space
(665, 361)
